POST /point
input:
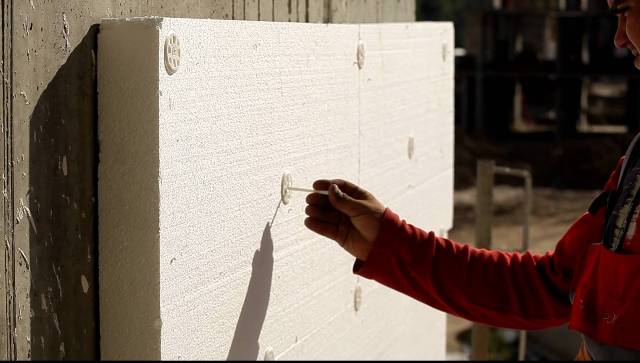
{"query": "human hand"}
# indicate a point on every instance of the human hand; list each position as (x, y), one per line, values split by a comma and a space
(349, 215)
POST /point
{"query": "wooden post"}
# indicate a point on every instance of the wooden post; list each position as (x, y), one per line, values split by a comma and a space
(484, 214)
(528, 200)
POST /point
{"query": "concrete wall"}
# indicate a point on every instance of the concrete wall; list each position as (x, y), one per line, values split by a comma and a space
(50, 159)
(198, 258)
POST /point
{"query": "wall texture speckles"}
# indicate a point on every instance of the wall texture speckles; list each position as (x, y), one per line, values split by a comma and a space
(198, 258)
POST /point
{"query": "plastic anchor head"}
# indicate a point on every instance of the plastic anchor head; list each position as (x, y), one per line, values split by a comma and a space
(285, 192)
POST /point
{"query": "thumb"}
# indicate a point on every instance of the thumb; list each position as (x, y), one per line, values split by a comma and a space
(343, 202)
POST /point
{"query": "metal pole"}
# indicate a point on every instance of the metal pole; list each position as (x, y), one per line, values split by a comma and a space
(483, 214)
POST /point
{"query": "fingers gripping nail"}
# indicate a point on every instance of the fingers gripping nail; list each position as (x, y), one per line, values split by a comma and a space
(337, 191)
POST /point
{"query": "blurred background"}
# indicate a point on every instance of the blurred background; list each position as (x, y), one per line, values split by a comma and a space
(541, 87)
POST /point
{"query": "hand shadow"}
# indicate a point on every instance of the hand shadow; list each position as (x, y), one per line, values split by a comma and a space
(245, 344)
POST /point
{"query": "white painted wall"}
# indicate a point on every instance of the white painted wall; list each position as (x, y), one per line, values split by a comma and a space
(197, 258)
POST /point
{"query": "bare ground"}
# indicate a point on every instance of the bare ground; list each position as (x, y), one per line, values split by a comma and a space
(553, 211)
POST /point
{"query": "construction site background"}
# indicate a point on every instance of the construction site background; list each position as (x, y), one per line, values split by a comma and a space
(539, 86)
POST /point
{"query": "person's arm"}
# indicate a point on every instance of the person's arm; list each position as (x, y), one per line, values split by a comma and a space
(519, 291)
(510, 290)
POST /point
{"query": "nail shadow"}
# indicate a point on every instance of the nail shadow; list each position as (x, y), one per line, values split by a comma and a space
(245, 344)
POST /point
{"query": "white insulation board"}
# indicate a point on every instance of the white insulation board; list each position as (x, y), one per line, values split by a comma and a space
(198, 258)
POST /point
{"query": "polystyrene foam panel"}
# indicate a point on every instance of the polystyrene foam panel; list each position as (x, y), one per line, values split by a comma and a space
(407, 97)
(198, 258)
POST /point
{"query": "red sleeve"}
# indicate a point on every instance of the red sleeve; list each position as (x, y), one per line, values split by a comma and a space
(510, 290)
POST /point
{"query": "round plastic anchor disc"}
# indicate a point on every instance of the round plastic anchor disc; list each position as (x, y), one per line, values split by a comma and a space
(411, 147)
(285, 192)
(360, 56)
(172, 54)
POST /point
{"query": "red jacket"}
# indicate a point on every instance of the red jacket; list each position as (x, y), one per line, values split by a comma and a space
(511, 290)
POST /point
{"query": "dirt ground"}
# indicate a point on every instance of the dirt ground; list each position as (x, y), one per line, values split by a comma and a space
(553, 211)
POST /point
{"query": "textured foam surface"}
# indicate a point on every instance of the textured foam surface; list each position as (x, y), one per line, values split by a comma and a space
(198, 259)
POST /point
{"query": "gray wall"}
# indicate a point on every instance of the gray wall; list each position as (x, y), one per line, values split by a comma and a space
(50, 155)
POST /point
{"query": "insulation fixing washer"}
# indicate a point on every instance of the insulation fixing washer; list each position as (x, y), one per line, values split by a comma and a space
(361, 54)
(411, 147)
(269, 354)
(285, 188)
(172, 54)
(445, 52)
(357, 298)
